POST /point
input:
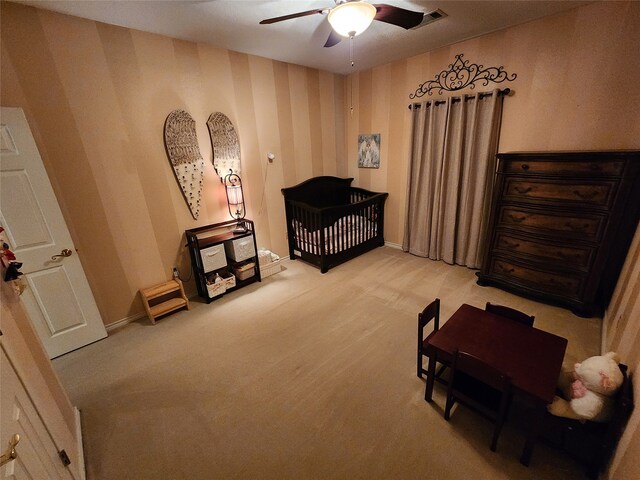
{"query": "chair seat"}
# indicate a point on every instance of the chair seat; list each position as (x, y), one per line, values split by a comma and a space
(443, 365)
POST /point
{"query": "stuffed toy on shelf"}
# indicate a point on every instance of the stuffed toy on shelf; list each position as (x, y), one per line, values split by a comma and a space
(588, 391)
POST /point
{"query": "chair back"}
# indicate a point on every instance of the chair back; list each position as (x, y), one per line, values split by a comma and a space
(480, 386)
(510, 313)
(476, 368)
(430, 312)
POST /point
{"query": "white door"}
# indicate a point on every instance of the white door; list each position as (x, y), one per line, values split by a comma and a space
(36, 453)
(58, 298)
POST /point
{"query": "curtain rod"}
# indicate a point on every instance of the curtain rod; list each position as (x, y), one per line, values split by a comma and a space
(501, 93)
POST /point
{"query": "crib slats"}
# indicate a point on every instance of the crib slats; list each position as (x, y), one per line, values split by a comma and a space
(331, 235)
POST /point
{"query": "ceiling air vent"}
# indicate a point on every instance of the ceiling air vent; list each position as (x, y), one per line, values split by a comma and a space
(430, 18)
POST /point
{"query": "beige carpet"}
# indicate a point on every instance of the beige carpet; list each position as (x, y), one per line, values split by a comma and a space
(302, 376)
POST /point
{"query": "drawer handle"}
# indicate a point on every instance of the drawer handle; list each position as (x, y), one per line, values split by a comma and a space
(553, 281)
(517, 219)
(524, 166)
(242, 244)
(568, 256)
(577, 228)
(211, 254)
(522, 190)
(586, 195)
(509, 244)
(505, 269)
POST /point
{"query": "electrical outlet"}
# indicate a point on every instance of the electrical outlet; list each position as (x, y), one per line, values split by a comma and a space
(176, 274)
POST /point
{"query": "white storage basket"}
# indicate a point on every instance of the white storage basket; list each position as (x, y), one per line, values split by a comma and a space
(270, 269)
(269, 263)
(216, 289)
(243, 272)
(241, 248)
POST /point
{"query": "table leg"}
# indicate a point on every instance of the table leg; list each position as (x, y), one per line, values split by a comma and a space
(537, 416)
(431, 375)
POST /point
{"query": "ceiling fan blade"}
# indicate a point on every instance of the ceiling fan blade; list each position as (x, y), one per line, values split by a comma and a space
(334, 39)
(398, 16)
(292, 15)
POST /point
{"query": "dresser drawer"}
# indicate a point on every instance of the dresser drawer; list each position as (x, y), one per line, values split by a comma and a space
(546, 167)
(241, 248)
(213, 258)
(539, 250)
(586, 227)
(598, 194)
(548, 282)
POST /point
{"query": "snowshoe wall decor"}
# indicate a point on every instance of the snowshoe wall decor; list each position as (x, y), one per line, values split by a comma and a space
(181, 142)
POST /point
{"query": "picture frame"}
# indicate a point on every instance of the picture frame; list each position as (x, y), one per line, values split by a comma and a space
(369, 150)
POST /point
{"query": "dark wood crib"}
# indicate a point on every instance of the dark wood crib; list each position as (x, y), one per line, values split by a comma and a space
(330, 222)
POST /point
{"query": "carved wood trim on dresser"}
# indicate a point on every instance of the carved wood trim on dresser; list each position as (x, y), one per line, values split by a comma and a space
(561, 224)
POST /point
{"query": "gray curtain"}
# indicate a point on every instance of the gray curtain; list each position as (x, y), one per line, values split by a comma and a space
(450, 181)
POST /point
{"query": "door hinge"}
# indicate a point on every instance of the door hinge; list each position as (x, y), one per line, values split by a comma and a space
(64, 457)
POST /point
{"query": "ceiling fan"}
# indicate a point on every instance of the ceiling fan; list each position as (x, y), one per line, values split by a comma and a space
(352, 17)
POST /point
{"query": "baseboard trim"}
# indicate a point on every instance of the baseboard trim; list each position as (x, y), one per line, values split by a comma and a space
(124, 321)
(132, 318)
(397, 246)
(82, 469)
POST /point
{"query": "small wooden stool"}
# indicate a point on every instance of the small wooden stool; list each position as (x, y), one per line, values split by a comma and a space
(156, 305)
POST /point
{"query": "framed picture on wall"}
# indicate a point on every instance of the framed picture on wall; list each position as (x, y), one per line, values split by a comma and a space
(369, 150)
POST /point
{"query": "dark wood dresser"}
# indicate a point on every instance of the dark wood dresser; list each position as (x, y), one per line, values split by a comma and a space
(561, 224)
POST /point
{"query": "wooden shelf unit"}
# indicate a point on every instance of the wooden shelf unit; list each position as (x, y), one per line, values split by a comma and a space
(157, 300)
(214, 243)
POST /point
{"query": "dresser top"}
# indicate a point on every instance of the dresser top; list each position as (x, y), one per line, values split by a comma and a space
(583, 154)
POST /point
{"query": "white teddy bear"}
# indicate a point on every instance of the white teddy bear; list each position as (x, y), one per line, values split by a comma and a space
(589, 389)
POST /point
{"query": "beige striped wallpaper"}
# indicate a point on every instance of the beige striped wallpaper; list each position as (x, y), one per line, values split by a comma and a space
(621, 333)
(96, 97)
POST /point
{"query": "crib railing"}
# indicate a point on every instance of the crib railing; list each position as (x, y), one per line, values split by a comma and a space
(331, 230)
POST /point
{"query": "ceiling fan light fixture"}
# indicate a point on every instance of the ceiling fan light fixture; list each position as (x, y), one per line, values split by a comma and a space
(351, 18)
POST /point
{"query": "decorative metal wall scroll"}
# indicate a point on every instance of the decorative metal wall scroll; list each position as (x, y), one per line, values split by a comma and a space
(225, 144)
(181, 143)
(461, 74)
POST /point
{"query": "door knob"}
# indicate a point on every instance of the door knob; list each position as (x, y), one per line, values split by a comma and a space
(64, 253)
(11, 453)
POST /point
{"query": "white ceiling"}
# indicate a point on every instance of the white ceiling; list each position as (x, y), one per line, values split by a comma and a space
(234, 25)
